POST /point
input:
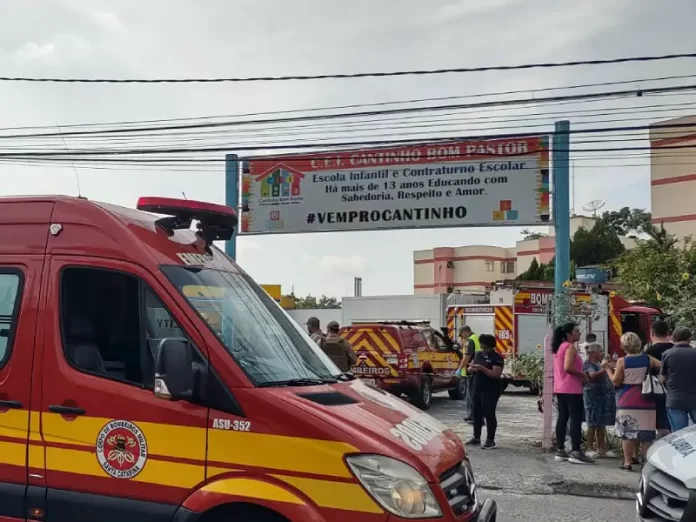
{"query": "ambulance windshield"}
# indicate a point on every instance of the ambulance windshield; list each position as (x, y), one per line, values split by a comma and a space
(262, 338)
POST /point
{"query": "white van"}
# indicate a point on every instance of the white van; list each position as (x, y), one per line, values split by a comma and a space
(667, 489)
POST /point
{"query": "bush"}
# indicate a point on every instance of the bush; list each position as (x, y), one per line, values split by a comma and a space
(531, 366)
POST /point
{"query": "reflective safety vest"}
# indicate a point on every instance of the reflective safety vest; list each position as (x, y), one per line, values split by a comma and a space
(477, 343)
(477, 348)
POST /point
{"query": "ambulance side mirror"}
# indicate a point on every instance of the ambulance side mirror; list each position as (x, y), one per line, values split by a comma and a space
(174, 370)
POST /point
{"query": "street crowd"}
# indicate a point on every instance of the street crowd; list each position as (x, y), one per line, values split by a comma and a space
(644, 395)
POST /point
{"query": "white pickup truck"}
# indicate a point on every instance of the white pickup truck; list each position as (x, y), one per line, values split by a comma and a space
(667, 489)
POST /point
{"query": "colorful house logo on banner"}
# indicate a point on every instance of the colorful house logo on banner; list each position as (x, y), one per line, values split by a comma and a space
(276, 186)
(280, 181)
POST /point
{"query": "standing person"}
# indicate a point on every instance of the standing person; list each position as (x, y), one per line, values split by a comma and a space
(568, 380)
(486, 389)
(314, 329)
(635, 414)
(470, 345)
(337, 348)
(600, 401)
(679, 375)
(590, 338)
(660, 343)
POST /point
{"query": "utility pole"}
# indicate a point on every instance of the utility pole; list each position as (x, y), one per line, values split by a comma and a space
(561, 220)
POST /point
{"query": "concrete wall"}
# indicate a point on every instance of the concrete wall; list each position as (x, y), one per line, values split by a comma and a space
(673, 177)
(468, 269)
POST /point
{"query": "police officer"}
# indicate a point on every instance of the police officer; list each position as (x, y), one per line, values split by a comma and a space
(470, 345)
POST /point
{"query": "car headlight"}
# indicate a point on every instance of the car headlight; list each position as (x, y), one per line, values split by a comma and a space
(396, 486)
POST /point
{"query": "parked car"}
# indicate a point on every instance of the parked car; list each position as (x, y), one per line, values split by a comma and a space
(406, 359)
(667, 488)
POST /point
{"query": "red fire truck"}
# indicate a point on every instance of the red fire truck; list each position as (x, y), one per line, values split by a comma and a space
(521, 322)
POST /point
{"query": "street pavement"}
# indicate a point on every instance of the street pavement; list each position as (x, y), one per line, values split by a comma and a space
(518, 471)
(560, 508)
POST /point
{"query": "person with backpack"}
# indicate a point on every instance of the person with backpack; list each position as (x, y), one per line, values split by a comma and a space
(337, 348)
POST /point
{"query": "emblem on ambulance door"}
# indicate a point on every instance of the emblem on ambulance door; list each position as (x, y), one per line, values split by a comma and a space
(121, 449)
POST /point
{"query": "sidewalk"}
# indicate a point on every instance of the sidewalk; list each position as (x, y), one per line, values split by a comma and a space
(519, 465)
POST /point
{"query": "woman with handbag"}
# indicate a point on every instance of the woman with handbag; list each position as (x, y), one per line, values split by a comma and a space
(635, 415)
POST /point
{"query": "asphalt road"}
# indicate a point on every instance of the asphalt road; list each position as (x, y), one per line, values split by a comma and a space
(522, 492)
(559, 508)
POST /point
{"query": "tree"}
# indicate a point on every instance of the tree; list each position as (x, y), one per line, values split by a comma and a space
(663, 274)
(628, 222)
(312, 302)
(597, 246)
(528, 235)
(533, 273)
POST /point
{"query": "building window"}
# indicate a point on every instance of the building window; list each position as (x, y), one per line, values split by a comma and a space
(490, 266)
(507, 267)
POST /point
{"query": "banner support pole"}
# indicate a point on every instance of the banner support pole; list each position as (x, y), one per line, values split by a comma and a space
(232, 198)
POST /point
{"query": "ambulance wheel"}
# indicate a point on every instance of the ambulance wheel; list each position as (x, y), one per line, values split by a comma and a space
(424, 397)
(245, 512)
(459, 392)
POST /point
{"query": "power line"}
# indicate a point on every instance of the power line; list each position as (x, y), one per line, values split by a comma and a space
(361, 105)
(89, 155)
(399, 123)
(499, 103)
(414, 130)
(421, 72)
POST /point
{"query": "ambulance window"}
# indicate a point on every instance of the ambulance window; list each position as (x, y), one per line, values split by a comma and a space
(9, 303)
(159, 324)
(102, 327)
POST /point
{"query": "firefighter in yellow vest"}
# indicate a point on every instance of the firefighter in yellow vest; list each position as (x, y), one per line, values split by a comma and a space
(470, 345)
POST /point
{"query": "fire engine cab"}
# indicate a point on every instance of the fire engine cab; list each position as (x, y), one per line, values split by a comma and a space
(145, 377)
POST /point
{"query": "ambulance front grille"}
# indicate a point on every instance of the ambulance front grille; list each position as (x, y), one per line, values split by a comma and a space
(459, 488)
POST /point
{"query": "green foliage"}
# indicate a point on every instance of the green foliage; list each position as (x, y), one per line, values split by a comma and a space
(597, 246)
(567, 309)
(312, 302)
(662, 273)
(531, 367)
(528, 235)
(628, 222)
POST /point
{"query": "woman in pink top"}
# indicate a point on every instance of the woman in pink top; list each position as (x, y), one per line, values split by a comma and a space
(568, 381)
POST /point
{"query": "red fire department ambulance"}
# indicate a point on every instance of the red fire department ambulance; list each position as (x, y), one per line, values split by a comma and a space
(145, 377)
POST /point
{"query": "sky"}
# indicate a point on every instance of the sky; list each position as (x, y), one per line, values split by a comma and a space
(185, 38)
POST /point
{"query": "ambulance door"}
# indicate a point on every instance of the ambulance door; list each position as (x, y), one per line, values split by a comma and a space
(113, 449)
(19, 291)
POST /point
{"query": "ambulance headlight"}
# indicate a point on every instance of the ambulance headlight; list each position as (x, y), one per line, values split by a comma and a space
(396, 486)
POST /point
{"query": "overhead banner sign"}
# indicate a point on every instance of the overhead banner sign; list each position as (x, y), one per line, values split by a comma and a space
(466, 184)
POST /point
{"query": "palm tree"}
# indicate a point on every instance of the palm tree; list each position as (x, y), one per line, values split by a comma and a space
(661, 238)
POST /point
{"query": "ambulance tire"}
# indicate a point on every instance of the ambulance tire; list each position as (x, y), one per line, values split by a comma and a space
(423, 398)
(246, 512)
